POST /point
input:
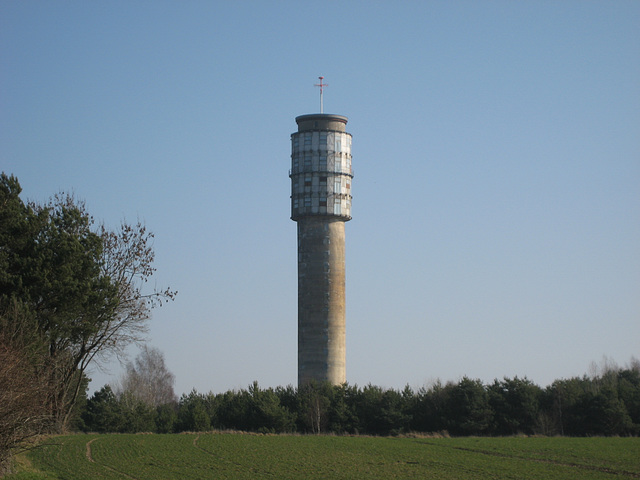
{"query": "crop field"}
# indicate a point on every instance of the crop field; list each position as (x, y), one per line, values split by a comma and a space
(240, 456)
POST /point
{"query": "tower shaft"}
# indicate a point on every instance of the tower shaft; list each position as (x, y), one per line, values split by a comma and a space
(321, 301)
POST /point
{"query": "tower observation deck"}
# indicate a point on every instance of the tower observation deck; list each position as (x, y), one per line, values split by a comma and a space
(321, 204)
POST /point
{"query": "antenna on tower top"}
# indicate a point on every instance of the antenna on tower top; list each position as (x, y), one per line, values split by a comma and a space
(321, 85)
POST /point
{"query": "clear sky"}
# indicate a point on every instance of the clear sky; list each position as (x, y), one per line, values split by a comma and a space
(496, 152)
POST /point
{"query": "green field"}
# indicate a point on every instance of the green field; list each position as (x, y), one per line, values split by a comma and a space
(238, 456)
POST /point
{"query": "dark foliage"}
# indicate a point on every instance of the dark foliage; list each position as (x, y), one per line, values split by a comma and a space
(602, 405)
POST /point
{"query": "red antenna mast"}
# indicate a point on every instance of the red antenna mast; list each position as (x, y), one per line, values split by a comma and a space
(321, 85)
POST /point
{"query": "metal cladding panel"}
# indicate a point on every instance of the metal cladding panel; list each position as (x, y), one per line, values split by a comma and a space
(320, 172)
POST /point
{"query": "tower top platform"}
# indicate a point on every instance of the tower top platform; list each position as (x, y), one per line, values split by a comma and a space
(321, 121)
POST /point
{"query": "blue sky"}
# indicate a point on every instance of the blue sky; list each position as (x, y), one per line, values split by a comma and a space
(496, 152)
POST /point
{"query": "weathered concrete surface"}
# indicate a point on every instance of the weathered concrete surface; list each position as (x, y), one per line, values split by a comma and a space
(321, 300)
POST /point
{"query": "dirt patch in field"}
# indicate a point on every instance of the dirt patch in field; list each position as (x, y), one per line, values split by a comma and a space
(88, 452)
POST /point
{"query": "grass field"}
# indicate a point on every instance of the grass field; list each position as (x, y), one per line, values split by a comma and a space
(239, 456)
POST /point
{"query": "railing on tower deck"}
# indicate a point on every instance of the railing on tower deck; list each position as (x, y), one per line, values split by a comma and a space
(328, 172)
(341, 215)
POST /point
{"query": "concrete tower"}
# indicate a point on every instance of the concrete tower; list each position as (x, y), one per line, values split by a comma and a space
(321, 203)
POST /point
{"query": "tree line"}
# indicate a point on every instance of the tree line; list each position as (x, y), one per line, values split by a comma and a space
(605, 404)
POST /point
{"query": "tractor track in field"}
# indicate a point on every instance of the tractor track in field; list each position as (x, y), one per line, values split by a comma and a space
(593, 468)
(92, 460)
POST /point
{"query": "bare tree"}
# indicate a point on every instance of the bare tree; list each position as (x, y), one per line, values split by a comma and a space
(148, 379)
(23, 384)
(127, 261)
(126, 264)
